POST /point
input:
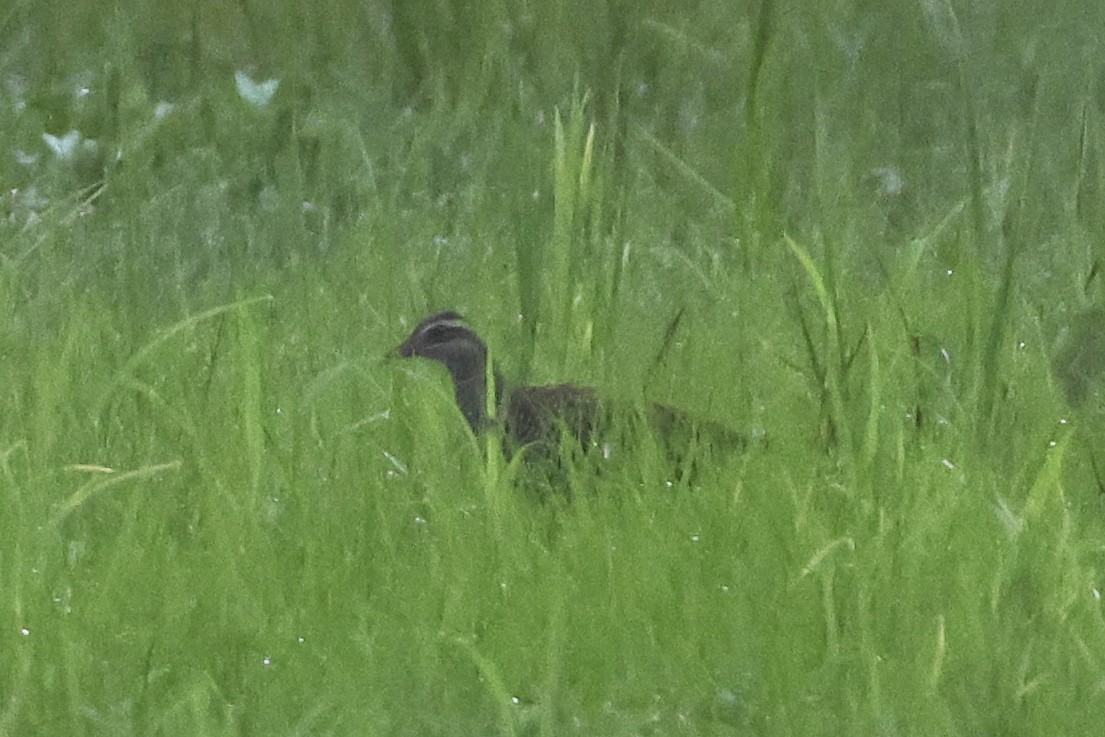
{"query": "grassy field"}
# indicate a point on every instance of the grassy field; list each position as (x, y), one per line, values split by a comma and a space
(870, 237)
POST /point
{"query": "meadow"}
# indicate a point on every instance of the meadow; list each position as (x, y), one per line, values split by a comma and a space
(868, 235)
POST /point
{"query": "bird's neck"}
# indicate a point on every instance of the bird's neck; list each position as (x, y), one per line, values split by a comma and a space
(470, 383)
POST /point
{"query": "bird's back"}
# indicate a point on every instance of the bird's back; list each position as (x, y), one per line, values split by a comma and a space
(539, 413)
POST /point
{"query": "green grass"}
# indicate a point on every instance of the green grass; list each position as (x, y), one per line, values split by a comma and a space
(225, 508)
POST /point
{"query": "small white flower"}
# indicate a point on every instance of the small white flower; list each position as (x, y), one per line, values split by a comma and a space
(258, 94)
(64, 147)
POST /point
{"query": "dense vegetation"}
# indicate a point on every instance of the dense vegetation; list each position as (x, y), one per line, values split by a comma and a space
(869, 235)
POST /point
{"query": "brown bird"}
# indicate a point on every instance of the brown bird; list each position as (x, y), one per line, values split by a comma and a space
(537, 415)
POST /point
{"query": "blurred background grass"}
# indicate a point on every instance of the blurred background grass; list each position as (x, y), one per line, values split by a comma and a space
(870, 231)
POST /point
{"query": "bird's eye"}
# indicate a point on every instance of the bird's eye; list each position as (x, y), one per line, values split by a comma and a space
(437, 333)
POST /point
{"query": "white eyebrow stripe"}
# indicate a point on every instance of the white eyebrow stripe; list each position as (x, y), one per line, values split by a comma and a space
(447, 323)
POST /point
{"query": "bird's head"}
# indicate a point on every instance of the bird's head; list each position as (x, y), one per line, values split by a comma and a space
(446, 338)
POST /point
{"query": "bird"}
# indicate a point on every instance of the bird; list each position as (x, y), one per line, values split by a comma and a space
(535, 418)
